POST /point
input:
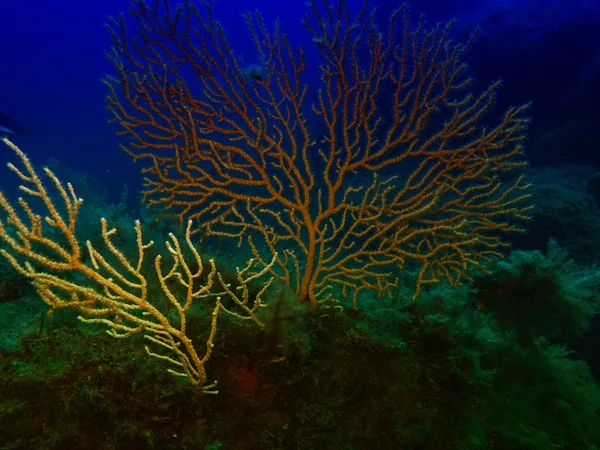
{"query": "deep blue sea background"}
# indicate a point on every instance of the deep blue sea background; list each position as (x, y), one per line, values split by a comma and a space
(53, 60)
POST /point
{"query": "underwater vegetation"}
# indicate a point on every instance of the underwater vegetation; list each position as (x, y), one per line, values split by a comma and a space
(313, 270)
(450, 370)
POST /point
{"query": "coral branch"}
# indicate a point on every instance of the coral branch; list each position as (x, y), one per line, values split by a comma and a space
(391, 164)
(109, 287)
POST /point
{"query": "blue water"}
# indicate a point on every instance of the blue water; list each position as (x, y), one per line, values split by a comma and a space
(53, 60)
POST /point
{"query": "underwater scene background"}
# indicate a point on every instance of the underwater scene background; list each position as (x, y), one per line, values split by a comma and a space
(269, 225)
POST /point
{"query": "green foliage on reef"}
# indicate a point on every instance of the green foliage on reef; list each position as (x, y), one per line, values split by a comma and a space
(533, 295)
(484, 366)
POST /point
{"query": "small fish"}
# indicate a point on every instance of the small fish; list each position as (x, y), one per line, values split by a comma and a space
(9, 126)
